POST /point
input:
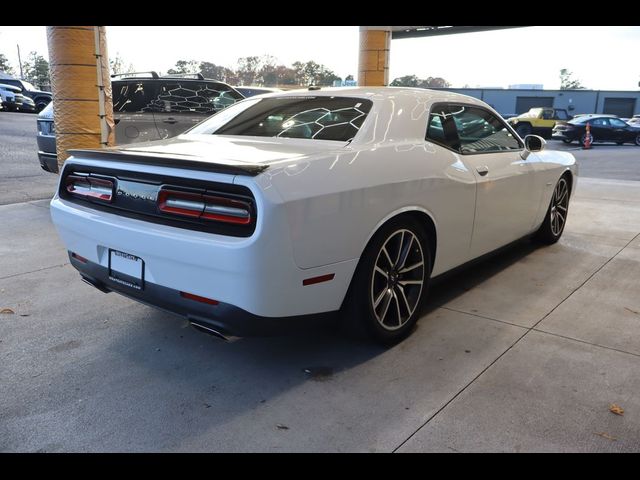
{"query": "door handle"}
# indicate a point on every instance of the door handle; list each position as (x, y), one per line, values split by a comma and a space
(170, 120)
(483, 170)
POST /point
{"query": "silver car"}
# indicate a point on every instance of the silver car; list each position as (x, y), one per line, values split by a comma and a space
(47, 140)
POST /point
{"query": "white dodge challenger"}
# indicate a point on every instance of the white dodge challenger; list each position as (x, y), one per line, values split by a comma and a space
(285, 207)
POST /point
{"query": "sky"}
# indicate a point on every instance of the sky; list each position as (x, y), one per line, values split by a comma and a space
(600, 57)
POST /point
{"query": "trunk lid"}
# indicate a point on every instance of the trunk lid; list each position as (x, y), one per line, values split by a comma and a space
(215, 153)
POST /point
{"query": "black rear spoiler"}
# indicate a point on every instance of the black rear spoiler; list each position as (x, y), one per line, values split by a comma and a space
(172, 160)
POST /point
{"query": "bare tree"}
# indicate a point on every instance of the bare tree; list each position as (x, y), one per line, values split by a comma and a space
(568, 83)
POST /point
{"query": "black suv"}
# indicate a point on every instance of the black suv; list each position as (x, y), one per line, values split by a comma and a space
(147, 107)
(39, 97)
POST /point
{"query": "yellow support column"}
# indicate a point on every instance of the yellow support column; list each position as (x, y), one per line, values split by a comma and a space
(81, 87)
(373, 61)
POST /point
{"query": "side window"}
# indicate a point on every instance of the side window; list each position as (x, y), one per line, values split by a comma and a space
(562, 115)
(193, 97)
(617, 123)
(547, 114)
(481, 131)
(441, 129)
(600, 122)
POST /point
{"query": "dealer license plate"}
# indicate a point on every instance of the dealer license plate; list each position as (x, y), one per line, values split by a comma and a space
(126, 269)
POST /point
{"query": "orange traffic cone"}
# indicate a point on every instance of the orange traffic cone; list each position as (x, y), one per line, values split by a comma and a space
(587, 138)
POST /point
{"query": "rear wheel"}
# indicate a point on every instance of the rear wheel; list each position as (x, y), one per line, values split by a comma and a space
(567, 140)
(389, 287)
(637, 141)
(583, 139)
(553, 225)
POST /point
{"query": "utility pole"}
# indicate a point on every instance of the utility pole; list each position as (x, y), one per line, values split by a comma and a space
(20, 62)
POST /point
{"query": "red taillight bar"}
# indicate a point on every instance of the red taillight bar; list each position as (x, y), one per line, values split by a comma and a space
(206, 207)
(90, 187)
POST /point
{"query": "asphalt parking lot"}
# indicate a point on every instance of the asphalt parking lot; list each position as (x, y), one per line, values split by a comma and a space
(525, 351)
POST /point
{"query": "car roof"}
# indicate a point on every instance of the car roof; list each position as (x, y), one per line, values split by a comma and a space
(399, 113)
(423, 94)
(584, 118)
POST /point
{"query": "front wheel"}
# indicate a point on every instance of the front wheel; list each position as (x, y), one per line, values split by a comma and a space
(567, 140)
(389, 287)
(553, 225)
(637, 141)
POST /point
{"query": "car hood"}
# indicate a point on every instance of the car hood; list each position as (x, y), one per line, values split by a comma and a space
(41, 92)
(225, 153)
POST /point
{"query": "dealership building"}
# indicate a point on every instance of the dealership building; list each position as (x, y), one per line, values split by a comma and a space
(624, 104)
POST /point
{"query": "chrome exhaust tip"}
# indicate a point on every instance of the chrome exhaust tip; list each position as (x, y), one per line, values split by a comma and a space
(213, 332)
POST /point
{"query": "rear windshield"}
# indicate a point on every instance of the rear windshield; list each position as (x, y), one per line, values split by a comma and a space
(319, 118)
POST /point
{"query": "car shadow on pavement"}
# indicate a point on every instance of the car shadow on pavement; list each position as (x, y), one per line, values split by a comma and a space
(445, 288)
(169, 387)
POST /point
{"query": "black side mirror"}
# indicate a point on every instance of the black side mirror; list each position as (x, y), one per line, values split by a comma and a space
(534, 143)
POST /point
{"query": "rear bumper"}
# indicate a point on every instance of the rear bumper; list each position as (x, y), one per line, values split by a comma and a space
(48, 161)
(256, 274)
(224, 318)
(560, 135)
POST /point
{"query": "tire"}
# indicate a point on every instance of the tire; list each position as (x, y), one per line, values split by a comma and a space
(637, 141)
(523, 129)
(554, 221)
(584, 137)
(379, 304)
(567, 140)
(40, 106)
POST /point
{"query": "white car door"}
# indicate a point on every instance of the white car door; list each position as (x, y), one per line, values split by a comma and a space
(506, 199)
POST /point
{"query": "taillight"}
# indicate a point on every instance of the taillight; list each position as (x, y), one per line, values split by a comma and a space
(180, 203)
(84, 186)
(204, 206)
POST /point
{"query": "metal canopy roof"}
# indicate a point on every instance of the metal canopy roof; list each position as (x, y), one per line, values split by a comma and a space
(409, 32)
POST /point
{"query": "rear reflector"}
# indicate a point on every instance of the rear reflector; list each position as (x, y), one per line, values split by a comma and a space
(84, 186)
(79, 258)
(198, 298)
(205, 207)
(320, 279)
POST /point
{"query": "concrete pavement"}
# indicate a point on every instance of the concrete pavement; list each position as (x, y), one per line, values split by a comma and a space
(522, 352)
(22, 178)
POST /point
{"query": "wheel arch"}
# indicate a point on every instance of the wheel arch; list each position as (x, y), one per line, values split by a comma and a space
(421, 216)
(418, 214)
(569, 174)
